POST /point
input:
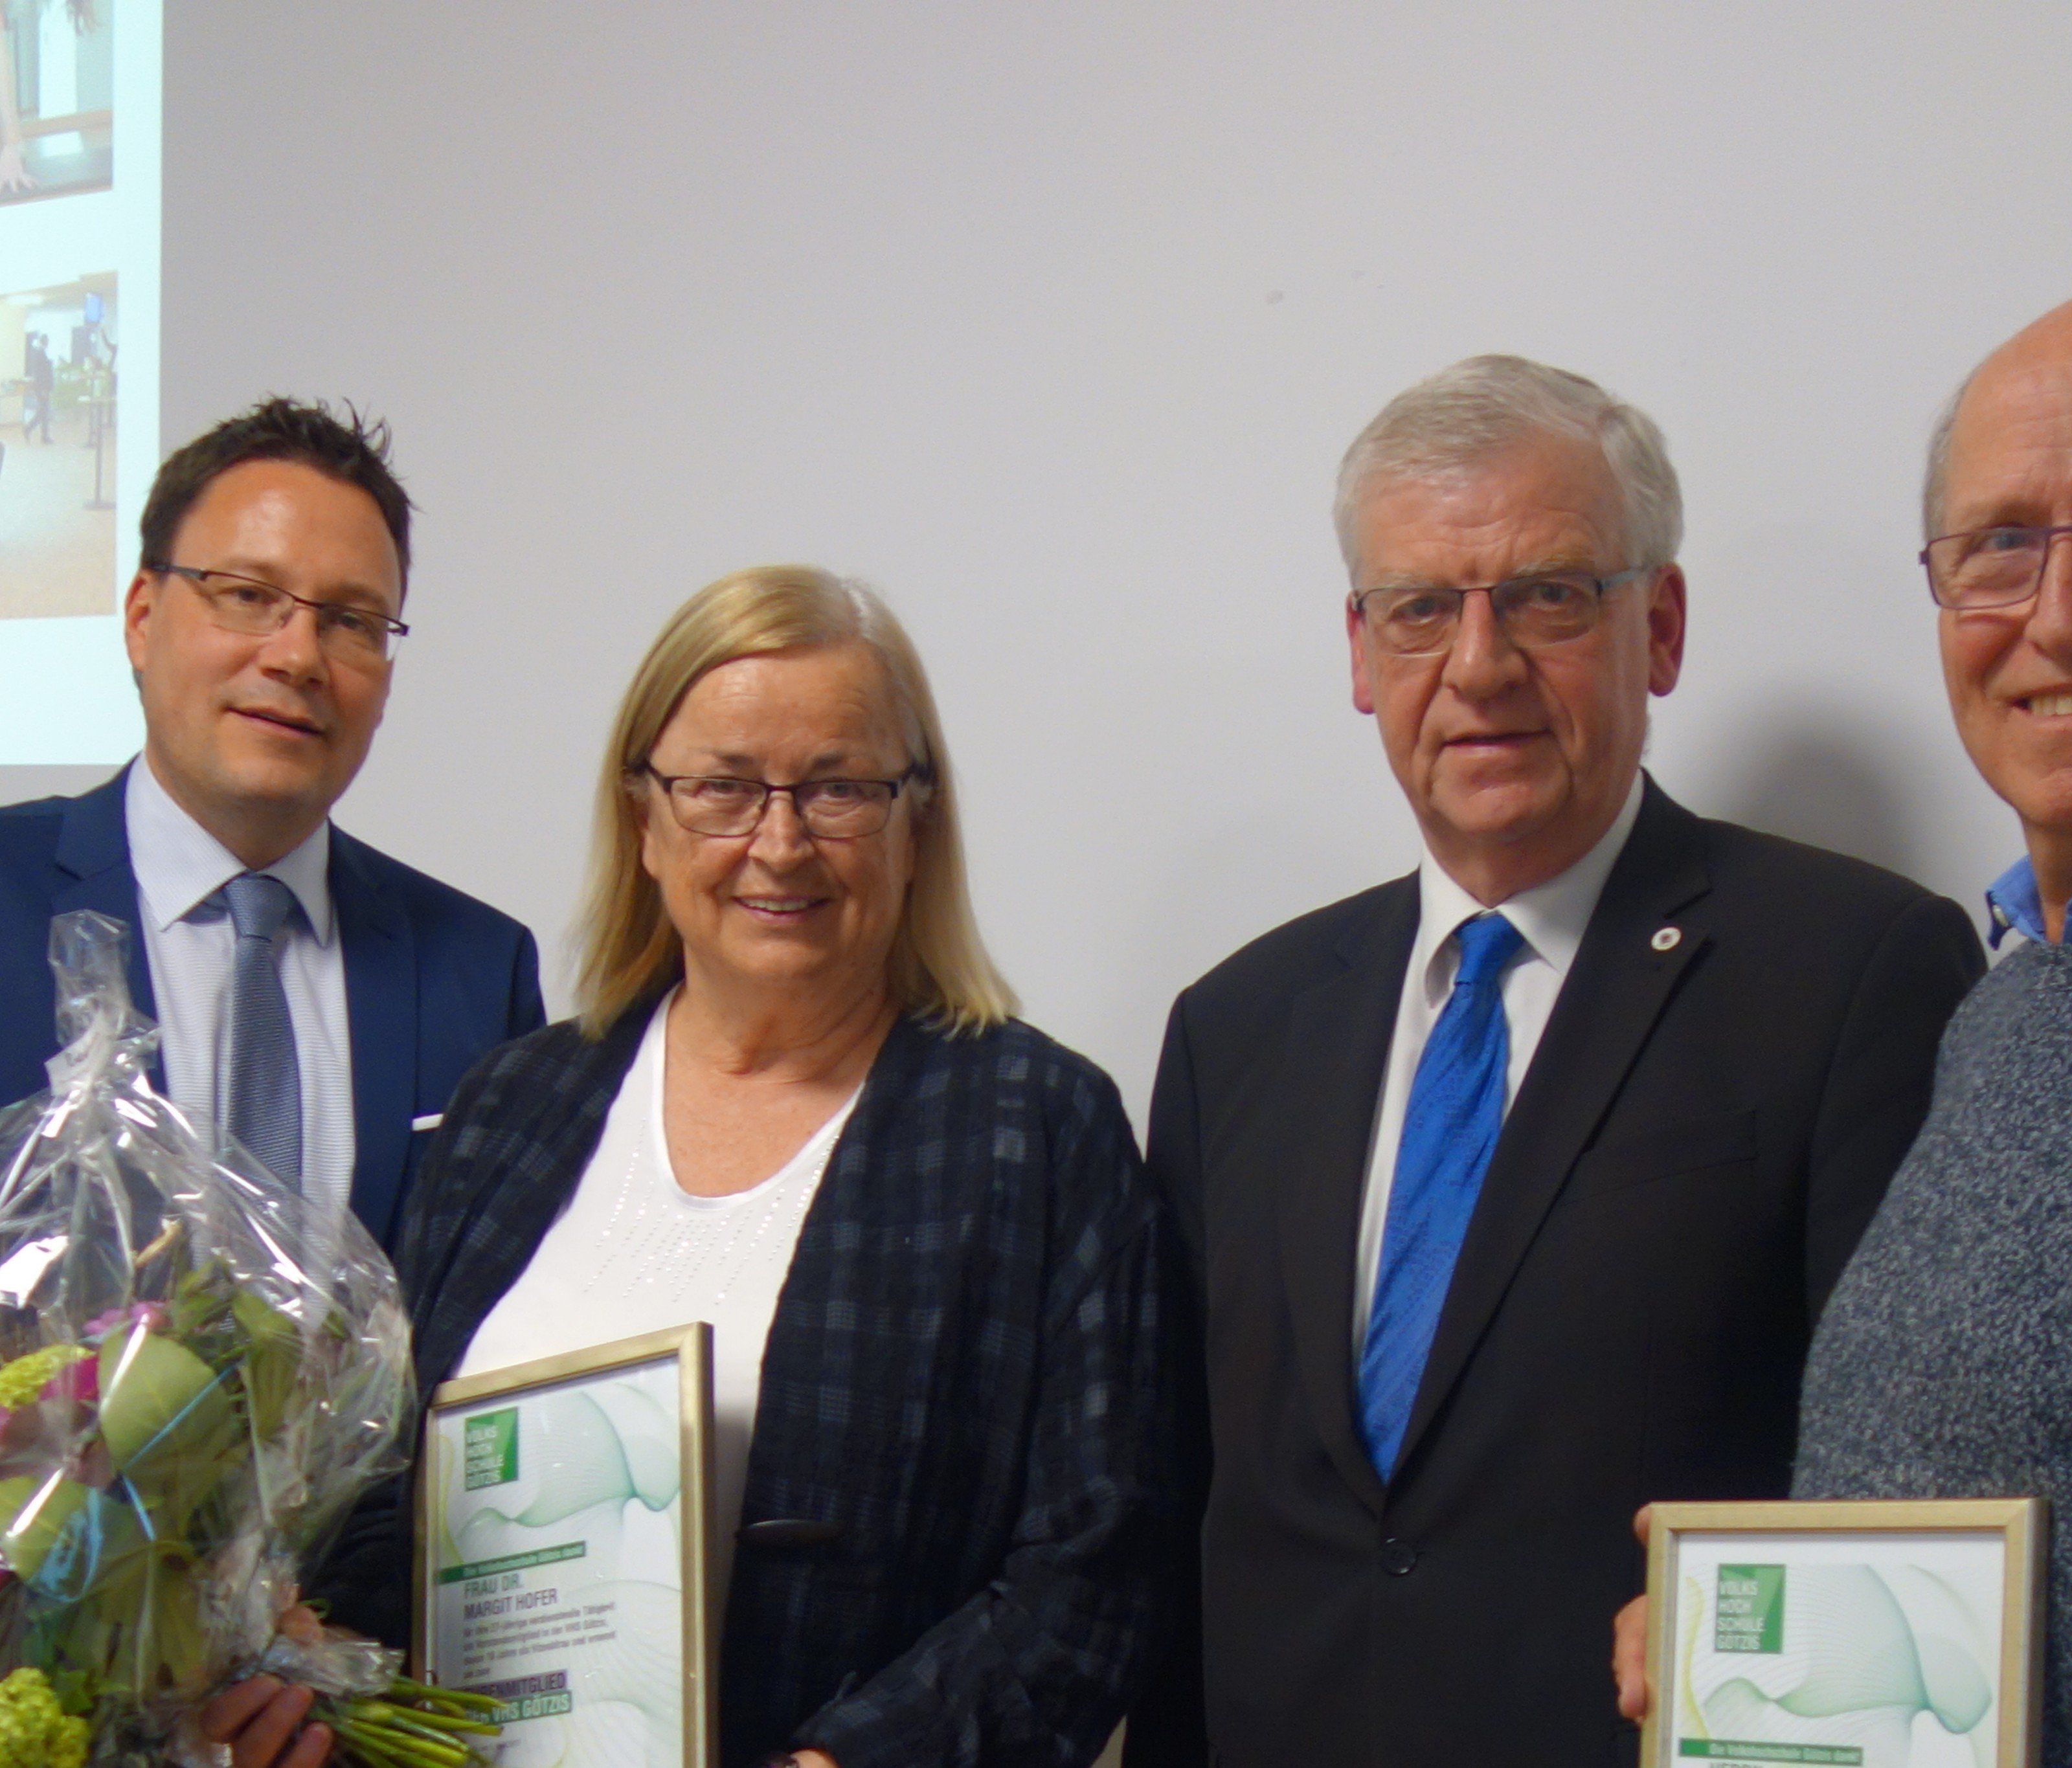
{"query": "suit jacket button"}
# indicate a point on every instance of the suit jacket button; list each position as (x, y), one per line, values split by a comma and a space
(1397, 1558)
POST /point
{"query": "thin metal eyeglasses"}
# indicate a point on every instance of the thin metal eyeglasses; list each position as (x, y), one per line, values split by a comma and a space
(836, 810)
(244, 604)
(1550, 607)
(1988, 567)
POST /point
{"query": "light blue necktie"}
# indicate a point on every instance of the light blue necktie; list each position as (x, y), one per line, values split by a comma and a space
(263, 1109)
(1449, 1131)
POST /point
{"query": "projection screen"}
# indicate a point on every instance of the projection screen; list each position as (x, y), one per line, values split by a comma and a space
(79, 363)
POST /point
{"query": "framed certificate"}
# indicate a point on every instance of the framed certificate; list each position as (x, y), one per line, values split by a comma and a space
(1881, 1634)
(564, 1554)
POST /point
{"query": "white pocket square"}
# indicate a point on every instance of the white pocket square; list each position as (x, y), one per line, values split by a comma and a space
(432, 1122)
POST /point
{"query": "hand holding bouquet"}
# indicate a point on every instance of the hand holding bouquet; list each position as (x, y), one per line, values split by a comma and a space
(198, 1377)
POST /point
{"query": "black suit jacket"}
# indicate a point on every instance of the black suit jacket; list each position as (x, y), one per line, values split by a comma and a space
(1706, 1127)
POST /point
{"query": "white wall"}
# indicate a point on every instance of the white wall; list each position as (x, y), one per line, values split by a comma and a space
(1052, 320)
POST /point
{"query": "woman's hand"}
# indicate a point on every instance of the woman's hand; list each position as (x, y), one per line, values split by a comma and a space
(259, 1720)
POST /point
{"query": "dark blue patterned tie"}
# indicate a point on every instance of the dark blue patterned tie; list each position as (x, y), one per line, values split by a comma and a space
(1449, 1131)
(264, 1107)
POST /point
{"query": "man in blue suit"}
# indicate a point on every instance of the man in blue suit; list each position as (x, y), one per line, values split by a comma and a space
(317, 998)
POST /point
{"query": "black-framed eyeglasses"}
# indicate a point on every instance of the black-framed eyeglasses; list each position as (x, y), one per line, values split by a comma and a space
(1549, 607)
(835, 810)
(1988, 567)
(244, 604)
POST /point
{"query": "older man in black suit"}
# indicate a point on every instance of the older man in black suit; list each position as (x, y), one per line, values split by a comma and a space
(1515, 1185)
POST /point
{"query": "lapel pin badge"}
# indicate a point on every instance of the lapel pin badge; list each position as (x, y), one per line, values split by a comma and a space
(1666, 939)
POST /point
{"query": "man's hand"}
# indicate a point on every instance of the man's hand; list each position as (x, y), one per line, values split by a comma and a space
(259, 1720)
(1629, 1659)
(1629, 1645)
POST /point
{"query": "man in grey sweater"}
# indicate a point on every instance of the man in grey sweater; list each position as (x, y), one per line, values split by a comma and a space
(1942, 1365)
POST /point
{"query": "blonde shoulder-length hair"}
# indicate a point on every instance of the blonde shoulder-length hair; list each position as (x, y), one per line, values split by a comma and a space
(630, 951)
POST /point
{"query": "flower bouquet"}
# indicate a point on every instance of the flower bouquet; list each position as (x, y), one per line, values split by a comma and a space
(198, 1377)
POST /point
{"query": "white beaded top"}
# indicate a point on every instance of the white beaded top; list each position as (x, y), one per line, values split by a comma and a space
(633, 1252)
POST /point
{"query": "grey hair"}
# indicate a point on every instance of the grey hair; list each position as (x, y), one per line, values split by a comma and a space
(1935, 482)
(1462, 416)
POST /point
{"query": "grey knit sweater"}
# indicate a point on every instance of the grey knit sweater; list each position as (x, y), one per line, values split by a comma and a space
(1942, 1367)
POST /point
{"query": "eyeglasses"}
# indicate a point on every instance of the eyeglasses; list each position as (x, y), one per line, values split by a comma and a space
(243, 604)
(1989, 567)
(835, 810)
(1420, 619)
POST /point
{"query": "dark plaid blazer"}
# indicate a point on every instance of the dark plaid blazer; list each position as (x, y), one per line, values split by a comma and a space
(968, 1381)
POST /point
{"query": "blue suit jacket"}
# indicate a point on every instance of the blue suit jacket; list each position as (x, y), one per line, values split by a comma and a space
(434, 979)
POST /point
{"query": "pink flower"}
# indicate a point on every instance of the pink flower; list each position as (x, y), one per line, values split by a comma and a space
(150, 1315)
(79, 1381)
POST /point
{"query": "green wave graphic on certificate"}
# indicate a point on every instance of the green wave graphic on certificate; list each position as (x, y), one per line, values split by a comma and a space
(560, 1571)
(1846, 1664)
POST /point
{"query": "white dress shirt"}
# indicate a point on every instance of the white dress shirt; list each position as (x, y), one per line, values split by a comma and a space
(181, 870)
(1553, 917)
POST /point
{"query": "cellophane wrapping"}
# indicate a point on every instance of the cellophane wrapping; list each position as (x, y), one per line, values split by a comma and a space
(199, 1376)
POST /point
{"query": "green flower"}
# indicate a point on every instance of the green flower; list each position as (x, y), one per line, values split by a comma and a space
(25, 1378)
(35, 1731)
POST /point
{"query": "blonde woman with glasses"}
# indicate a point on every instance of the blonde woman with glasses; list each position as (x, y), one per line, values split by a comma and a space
(797, 1104)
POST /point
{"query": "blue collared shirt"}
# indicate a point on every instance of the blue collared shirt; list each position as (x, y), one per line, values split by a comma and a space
(2014, 906)
(192, 948)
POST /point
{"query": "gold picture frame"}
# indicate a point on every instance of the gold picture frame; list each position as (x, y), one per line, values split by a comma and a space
(468, 1397)
(1748, 1610)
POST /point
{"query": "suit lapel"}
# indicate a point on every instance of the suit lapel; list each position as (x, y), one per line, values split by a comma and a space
(1609, 1005)
(94, 873)
(381, 1015)
(1337, 1044)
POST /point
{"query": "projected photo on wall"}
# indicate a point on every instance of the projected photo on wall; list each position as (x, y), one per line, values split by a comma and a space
(57, 98)
(57, 453)
(79, 111)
